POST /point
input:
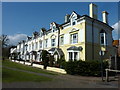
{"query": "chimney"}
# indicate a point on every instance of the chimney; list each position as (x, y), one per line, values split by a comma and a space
(93, 11)
(67, 17)
(105, 16)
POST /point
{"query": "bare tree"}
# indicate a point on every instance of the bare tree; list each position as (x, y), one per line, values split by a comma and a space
(4, 40)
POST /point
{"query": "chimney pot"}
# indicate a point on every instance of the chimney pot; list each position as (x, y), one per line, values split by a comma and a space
(93, 10)
(67, 17)
(105, 16)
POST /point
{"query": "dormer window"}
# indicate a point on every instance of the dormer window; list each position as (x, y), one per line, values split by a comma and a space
(53, 27)
(41, 33)
(103, 39)
(73, 23)
(73, 18)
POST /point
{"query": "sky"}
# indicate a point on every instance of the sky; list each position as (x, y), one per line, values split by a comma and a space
(20, 19)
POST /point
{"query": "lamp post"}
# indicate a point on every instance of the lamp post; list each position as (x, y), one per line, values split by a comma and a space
(101, 53)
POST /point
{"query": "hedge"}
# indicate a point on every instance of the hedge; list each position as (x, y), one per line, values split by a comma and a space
(85, 68)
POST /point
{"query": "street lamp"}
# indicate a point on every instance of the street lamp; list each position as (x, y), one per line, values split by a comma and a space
(101, 53)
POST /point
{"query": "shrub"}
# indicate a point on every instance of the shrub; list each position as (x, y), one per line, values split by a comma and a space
(51, 60)
(85, 68)
(45, 58)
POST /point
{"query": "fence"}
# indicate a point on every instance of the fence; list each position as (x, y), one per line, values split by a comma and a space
(110, 70)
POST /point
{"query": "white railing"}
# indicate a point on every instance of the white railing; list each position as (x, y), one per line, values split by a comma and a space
(110, 70)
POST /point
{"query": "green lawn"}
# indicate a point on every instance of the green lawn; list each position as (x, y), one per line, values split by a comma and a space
(18, 76)
(9, 75)
(24, 67)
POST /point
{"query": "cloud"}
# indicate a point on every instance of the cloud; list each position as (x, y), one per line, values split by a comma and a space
(14, 39)
(116, 31)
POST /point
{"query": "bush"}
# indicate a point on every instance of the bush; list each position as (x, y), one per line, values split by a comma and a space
(85, 68)
(51, 60)
(45, 58)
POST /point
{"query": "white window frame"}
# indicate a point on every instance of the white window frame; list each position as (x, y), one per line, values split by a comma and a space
(103, 34)
(40, 45)
(61, 40)
(46, 43)
(36, 45)
(73, 55)
(32, 46)
(53, 43)
(29, 47)
(73, 19)
(72, 40)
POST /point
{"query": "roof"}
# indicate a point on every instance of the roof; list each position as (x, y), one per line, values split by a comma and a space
(97, 20)
(39, 50)
(88, 17)
(75, 48)
(59, 51)
(27, 53)
(33, 52)
(78, 16)
(59, 25)
(52, 49)
(13, 47)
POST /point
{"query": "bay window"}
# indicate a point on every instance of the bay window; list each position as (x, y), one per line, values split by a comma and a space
(73, 55)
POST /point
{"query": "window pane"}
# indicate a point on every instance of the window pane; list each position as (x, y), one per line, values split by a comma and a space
(40, 44)
(46, 42)
(102, 38)
(53, 42)
(73, 23)
(75, 55)
(70, 56)
(74, 38)
(61, 40)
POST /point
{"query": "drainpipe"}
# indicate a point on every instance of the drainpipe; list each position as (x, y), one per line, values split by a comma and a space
(93, 39)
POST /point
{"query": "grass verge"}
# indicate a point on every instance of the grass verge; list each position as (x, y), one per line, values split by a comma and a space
(9, 75)
(24, 67)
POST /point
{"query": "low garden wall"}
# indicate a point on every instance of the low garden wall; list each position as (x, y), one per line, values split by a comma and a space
(41, 66)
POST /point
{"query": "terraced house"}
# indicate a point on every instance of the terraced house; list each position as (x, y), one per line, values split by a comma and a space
(78, 38)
